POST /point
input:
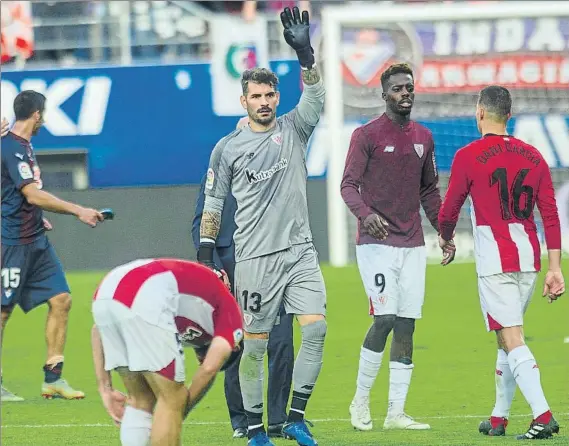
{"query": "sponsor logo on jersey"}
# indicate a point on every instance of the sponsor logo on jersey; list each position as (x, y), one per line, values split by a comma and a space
(254, 177)
(25, 171)
(210, 179)
(389, 149)
(419, 149)
(19, 155)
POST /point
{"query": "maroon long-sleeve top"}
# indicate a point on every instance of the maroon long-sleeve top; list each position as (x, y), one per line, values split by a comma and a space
(390, 171)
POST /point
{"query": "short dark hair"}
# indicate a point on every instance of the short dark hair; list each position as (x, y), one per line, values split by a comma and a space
(497, 101)
(397, 68)
(27, 103)
(259, 76)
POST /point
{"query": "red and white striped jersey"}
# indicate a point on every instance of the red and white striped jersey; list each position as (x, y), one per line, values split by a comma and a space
(505, 178)
(176, 295)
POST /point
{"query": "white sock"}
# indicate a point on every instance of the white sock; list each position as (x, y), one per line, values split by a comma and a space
(399, 381)
(135, 427)
(370, 362)
(505, 386)
(525, 371)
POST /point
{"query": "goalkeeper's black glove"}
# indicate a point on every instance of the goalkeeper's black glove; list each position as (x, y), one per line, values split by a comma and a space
(205, 257)
(297, 35)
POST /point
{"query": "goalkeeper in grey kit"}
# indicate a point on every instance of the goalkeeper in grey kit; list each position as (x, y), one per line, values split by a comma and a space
(263, 165)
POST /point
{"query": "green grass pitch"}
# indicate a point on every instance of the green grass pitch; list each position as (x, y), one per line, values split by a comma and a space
(452, 386)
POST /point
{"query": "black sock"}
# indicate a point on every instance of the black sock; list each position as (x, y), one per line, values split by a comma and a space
(52, 372)
(254, 423)
(297, 407)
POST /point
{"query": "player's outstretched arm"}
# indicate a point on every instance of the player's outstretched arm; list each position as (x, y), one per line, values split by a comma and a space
(297, 35)
(458, 190)
(203, 379)
(113, 400)
(51, 203)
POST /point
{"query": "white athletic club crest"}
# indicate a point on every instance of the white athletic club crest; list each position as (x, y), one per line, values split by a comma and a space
(419, 149)
(278, 138)
(247, 318)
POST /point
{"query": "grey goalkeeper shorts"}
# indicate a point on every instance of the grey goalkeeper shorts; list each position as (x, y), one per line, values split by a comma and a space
(292, 275)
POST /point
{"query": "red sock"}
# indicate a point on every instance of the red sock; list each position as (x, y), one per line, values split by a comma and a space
(497, 421)
(544, 418)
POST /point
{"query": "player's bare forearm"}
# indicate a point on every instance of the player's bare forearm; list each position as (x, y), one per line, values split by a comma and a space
(49, 202)
(202, 381)
(554, 257)
(103, 377)
(311, 76)
(210, 225)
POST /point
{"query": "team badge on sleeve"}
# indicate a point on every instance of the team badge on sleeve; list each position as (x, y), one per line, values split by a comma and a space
(210, 179)
(419, 149)
(25, 171)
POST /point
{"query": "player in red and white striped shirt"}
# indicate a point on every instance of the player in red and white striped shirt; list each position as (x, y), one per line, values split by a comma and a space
(506, 178)
(145, 312)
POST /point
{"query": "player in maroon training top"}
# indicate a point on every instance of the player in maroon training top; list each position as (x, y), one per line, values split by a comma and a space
(506, 178)
(145, 312)
(390, 172)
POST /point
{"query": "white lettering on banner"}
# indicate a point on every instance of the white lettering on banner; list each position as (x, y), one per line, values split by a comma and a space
(473, 38)
(511, 71)
(93, 110)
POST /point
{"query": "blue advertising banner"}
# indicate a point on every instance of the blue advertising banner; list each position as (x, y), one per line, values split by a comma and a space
(155, 125)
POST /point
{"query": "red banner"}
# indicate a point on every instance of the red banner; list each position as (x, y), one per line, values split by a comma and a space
(520, 71)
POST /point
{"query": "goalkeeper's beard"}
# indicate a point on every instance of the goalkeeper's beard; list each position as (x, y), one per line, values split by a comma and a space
(263, 120)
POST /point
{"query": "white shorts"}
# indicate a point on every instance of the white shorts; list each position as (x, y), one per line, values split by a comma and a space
(131, 342)
(393, 278)
(505, 297)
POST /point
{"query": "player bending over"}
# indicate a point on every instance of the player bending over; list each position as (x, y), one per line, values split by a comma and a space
(145, 312)
(506, 178)
(264, 166)
(31, 271)
(390, 171)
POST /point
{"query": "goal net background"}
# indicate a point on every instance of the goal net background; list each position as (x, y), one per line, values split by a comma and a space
(455, 50)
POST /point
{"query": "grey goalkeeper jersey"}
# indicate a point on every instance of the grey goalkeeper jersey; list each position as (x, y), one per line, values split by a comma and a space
(266, 172)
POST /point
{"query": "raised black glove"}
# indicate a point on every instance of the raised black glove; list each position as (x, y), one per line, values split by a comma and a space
(297, 35)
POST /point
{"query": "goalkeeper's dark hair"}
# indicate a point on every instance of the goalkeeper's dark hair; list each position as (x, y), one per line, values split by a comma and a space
(397, 68)
(259, 76)
(27, 103)
(497, 101)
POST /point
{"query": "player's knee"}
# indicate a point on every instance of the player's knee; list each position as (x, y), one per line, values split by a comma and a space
(383, 324)
(404, 327)
(314, 333)
(143, 402)
(136, 427)
(255, 348)
(60, 303)
(6, 312)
